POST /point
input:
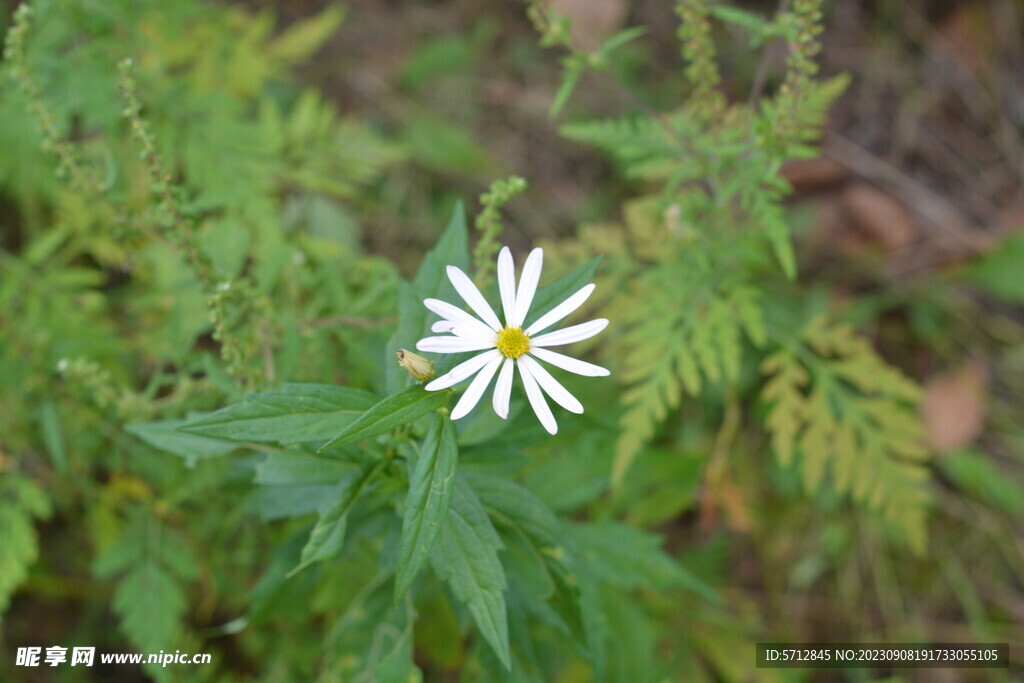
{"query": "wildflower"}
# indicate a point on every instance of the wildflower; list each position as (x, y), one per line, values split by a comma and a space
(509, 346)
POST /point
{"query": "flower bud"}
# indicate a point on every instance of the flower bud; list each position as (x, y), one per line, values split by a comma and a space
(418, 367)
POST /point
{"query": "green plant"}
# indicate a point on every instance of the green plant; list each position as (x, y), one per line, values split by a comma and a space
(696, 272)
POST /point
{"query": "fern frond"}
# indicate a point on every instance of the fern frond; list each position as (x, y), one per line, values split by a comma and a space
(645, 147)
(681, 333)
(21, 503)
(152, 563)
(845, 415)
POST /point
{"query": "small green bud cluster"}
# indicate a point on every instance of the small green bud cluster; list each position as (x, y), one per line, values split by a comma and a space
(171, 224)
(95, 385)
(802, 27)
(240, 316)
(553, 28)
(488, 222)
(68, 166)
(699, 52)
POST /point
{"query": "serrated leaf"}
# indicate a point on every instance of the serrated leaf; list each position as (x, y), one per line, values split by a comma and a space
(150, 603)
(297, 468)
(167, 436)
(395, 410)
(628, 557)
(431, 281)
(430, 492)
(561, 579)
(466, 557)
(518, 505)
(295, 413)
(327, 537)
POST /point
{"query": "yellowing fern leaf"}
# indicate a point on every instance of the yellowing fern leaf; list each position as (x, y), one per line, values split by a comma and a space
(682, 331)
(840, 411)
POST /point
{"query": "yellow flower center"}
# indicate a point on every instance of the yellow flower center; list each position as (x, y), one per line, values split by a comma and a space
(512, 342)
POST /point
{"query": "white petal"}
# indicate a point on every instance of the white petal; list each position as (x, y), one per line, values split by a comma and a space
(561, 310)
(507, 283)
(476, 388)
(527, 286)
(452, 344)
(455, 314)
(462, 371)
(503, 389)
(573, 365)
(549, 384)
(479, 332)
(472, 296)
(442, 326)
(572, 334)
(540, 406)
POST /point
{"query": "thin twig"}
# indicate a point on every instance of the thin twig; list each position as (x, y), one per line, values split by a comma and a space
(933, 206)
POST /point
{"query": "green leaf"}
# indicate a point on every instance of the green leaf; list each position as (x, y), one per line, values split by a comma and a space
(23, 501)
(327, 537)
(393, 411)
(777, 232)
(295, 413)
(151, 603)
(628, 557)
(577, 476)
(166, 435)
(397, 664)
(431, 281)
(552, 294)
(430, 493)
(305, 37)
(999, 270)
(274, 595)
(978, 474)
(574, 70)
(619, 39)
(297, 468)
(566, 587)
(434, 59)
(739, 17)
(285, 502)
(149, 598)
(466, 556)
(49, 424)
(445, 146)
(519, 506)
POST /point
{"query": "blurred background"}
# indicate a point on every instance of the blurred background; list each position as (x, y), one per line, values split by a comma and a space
(322, 147)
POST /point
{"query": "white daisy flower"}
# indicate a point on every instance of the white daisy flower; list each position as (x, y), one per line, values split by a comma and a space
(509, 346)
